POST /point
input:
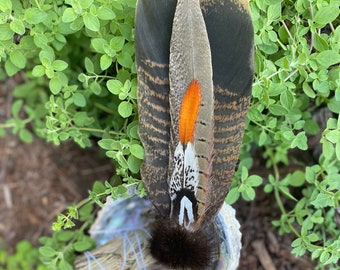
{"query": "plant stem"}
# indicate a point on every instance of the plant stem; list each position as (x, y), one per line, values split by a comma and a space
(37, 3)
(102, 131)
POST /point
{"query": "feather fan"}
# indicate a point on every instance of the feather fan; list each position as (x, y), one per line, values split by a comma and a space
(195, 69)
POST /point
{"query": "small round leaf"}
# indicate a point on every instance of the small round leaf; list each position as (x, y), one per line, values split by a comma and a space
(125, 109)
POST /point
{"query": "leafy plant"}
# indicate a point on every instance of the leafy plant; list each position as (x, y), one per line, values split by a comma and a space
(25, 257)
(77, 60)
(297, 71)
(80, 83)
(59, 251)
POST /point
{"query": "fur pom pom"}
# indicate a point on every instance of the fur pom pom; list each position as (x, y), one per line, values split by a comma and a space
(179, 248)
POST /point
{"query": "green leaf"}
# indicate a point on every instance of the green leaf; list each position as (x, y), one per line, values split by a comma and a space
(334, 105)
(16, 107)
(287, 99)
(337, 150)
(134, 164)
(46, 57)
(89, 65)
(263, 138)
(232, 195)
(49, 73)
(319, 43)
(106, 144)
(69, 15)
(288, 134)
(5, 5)
(132, 130)
(324, 256)
(277, 109)
(91, 22)
(98, 187)
(95, 88)
(85, 4)
(114, 86)
(34, 15)
(137, 151)
(63, 136)
(79, 100)
(126, 30)
(308, 90)
(326, 14)
(254, 114)
(38, 71)
(81, 119)
(65, 236)
(316, 253)
(125, 59)
(17, 26)
(98, 44)
(105, 13)
(274, 11)
(55, 85)
(25, 135)
(125, 109)
(59, 65)
(121, 190)
(327, 149)
(333, 136)
(299, 251)
(323, 200)
(105, 62)
(244, 173)
(249, 193)
(40, 40)
(47, 252)
(121, 160)
(300, 141)
(82, 245)
(254, 180)
(85, 212)
(69, 224)
(310, 175)
(268, 188)
(311, 127)
(6, 32)
(297, 179)
(272, 2)
(10, 68)
(77, 24)
(328, 58)
(117, 43)
(65, 265)
(18, 59)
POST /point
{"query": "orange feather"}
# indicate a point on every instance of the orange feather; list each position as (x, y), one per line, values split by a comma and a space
(188, 112)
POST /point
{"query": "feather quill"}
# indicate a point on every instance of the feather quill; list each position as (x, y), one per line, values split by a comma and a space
(190, 59)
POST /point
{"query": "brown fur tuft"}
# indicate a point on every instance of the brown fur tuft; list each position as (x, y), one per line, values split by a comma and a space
(179, 248)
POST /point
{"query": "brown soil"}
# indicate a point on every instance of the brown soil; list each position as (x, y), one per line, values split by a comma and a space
(39, 180)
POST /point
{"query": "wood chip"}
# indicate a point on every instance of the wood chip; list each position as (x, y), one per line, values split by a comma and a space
(263, 255)
(7, 196)
(274, 246)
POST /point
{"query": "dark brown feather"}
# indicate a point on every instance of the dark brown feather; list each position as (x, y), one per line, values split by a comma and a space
(152, 44)
(230, 33)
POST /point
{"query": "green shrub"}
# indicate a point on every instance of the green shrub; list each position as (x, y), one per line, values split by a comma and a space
(77, 57)
(296, 72)
(25, 257)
